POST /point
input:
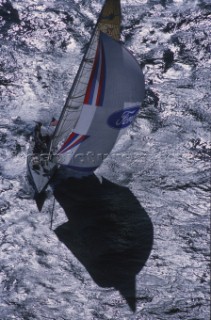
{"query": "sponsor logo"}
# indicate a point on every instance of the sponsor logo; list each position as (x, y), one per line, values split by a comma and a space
(123, 118)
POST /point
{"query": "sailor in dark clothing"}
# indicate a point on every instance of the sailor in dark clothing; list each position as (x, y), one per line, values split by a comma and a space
(38, 138)
(40, 146)
(37, 132)
(42, 138)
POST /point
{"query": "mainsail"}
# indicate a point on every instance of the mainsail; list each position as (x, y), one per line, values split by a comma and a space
(109, 23)
(111, 100)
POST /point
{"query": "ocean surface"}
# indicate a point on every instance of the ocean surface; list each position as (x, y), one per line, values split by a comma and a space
(132, 241)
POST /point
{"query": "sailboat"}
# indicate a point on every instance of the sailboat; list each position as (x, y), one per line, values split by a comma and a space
(105, 97)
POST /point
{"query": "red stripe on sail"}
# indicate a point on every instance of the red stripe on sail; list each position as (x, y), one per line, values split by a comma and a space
(70, 139)
(101, 89)
(92, 80)
(80, 140)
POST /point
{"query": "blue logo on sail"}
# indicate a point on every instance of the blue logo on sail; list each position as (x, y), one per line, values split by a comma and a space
(123, 118)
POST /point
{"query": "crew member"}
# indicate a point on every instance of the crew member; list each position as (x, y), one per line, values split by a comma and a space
(41, 139)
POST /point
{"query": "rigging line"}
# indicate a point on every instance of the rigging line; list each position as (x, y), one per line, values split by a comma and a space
(80, 71)
(52, 212)
(76, 97)
(71, 109)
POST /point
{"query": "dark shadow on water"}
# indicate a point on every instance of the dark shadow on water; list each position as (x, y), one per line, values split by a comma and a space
(108, 232)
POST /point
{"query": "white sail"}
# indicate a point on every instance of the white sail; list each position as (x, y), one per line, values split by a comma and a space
(113, 96)
(108, 22)
(41, 167)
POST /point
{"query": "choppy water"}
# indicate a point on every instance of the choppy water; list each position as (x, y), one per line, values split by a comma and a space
(140, 239)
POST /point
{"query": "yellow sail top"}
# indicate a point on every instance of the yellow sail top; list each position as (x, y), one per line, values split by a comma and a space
(110, 19)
